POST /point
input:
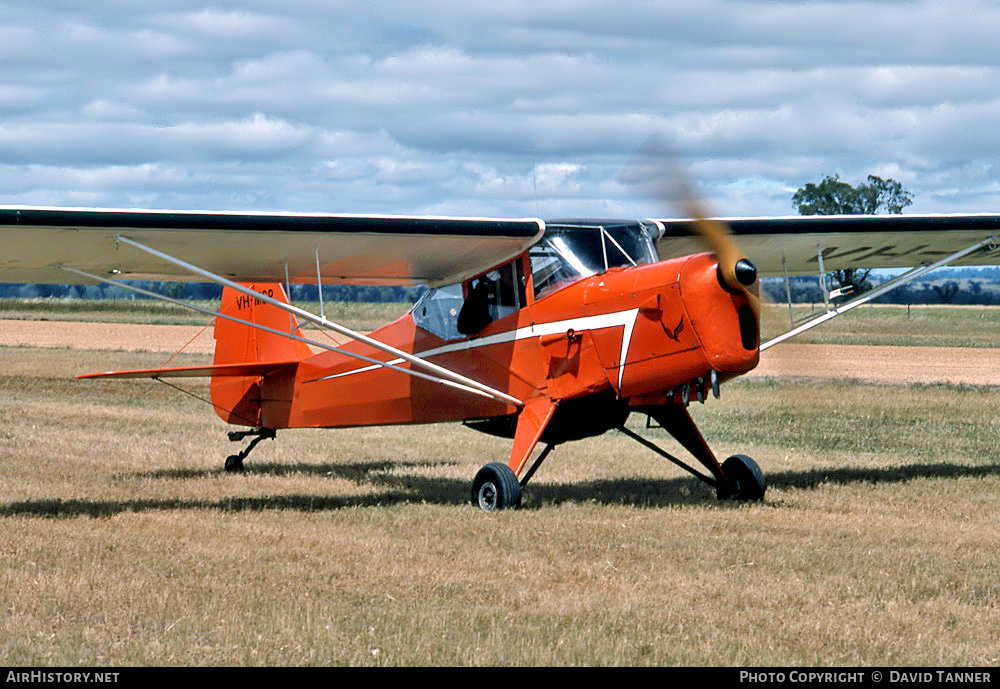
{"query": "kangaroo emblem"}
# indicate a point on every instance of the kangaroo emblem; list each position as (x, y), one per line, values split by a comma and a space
(672, 334)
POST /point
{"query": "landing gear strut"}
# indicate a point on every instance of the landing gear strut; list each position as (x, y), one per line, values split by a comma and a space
(738, 477)
(235, 462)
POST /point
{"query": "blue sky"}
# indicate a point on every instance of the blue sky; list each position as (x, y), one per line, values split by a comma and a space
(511, 109)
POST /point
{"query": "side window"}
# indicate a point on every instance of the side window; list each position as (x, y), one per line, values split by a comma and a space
(492, 296)
(437, 311)
(449, 315)
(508, 289)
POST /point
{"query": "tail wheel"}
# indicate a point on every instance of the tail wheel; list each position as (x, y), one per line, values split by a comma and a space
(746, 477)
(496, 488)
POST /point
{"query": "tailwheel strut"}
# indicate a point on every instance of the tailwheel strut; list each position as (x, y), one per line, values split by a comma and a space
(738, 477)
(235, 462)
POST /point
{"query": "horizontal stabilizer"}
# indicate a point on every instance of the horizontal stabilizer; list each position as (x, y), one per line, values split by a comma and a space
(216, 371)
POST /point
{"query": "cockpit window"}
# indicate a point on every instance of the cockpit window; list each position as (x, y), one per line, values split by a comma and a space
(489, 297)
(437, 311)
(492, 296)
(569, 252)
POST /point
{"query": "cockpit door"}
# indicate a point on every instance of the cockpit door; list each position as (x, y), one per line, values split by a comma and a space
(492, 296)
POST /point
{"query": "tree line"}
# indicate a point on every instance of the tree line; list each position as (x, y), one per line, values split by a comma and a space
(198, 291)
(981, 288)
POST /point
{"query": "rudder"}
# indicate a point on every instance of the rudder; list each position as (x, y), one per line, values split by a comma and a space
(238, 400)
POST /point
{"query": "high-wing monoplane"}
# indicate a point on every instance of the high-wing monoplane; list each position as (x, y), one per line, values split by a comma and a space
(542, 332)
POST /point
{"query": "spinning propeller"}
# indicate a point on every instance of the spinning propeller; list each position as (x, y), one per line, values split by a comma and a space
(737, 273)
(658, 173)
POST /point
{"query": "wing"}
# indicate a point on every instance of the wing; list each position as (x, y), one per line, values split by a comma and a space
(847, 241)
(255, 247)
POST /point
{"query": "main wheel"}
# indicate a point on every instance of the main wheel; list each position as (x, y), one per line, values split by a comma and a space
(496, 488)
(234, 463)
(746, 476)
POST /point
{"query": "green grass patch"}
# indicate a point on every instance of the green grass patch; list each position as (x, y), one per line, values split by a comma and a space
(894, 325)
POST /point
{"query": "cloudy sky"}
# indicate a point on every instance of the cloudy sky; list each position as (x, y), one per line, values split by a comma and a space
(514, 108)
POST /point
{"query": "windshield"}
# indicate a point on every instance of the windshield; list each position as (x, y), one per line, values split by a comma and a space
(569, 252)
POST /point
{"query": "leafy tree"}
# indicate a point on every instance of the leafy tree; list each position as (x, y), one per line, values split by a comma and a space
(173, 289)
(946, 292)
(833, 197)
(855, 278)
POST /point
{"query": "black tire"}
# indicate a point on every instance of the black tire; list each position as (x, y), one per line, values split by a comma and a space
(746, 477)
(234, 463)
(496, 488)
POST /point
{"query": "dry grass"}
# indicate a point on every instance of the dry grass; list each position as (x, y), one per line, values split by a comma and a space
(888, 324)
(122, 542)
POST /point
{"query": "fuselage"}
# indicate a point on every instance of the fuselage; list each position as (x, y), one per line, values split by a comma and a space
(589, 315)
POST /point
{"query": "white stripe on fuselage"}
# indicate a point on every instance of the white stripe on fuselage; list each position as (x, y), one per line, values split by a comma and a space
(626, 319)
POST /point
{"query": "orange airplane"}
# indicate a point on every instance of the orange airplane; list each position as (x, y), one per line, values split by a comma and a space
(538, 331)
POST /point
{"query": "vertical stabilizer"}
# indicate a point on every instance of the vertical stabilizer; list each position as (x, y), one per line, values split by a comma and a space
(238, 400)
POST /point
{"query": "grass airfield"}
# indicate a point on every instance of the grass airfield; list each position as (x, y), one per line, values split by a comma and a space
(123, 542)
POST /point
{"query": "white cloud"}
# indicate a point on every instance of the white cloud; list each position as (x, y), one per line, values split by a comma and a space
(351, 106)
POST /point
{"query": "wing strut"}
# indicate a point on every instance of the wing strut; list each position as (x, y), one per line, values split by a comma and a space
(322, 322)
(897, 281)
(290, 336)
(319, 285)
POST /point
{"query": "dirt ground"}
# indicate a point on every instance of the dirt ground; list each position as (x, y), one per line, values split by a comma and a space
(869, 363)
(956, 365)
(131, 337)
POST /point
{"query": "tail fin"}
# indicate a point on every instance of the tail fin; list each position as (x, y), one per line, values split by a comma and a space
(238, 399)
(236, 343)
